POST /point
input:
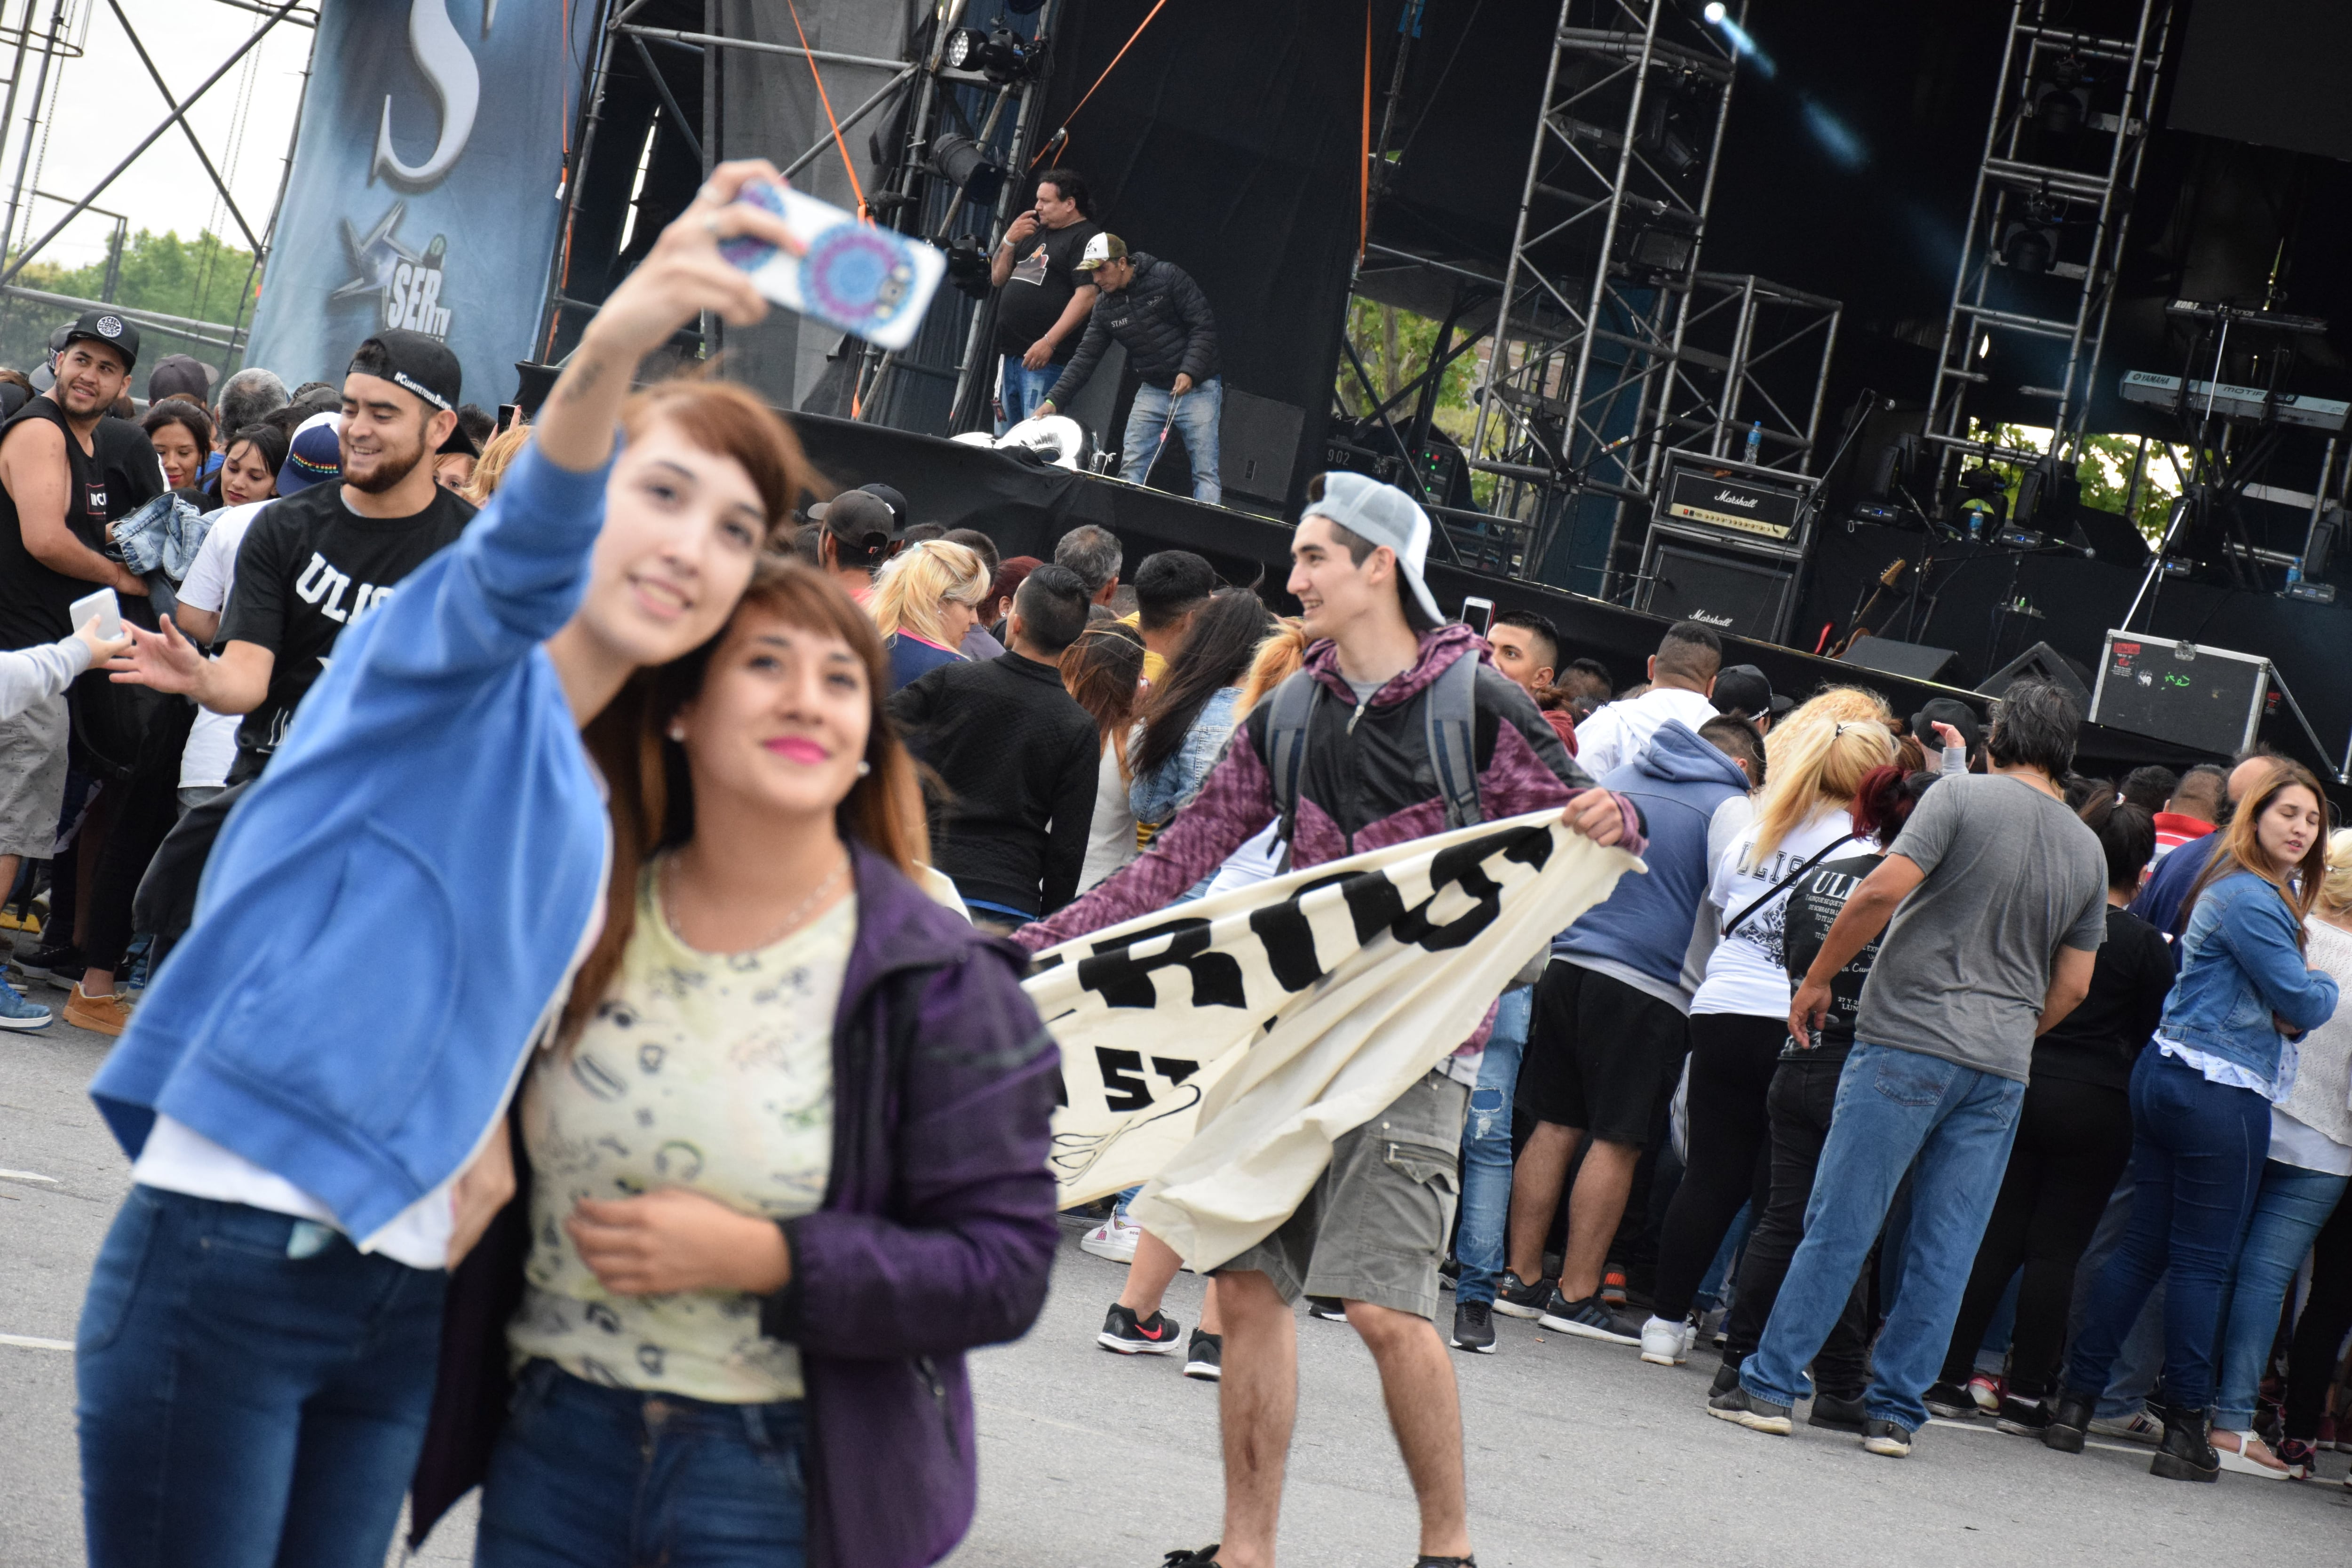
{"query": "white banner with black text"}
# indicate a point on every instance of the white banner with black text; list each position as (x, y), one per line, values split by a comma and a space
(1214, 1051)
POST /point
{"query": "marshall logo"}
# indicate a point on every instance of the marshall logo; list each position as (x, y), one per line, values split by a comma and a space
(1733, 497)
(1712, 620)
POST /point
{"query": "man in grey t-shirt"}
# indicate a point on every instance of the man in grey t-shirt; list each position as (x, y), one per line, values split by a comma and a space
(2001, 892)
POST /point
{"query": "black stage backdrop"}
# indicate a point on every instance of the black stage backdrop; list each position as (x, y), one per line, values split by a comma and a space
(1025, 507)
(1227, 141)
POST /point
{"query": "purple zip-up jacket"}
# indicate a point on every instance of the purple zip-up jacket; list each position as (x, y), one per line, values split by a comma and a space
(936, 1235)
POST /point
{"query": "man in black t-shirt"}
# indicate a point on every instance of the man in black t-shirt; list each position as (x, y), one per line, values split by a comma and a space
(316, 561)
(62, 480)
(1045, 300)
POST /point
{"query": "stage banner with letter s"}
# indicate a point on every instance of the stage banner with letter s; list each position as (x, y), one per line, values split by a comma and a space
(423, 193)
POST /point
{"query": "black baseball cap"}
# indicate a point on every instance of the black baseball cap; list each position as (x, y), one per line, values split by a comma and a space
(105, 326)
(1947, 710)
(859, 518)
(1743, 687)
(424, 367)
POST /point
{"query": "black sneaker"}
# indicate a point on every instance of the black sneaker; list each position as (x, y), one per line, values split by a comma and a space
(1743, 1409)
(1206, 1359)
(2024, 1417)
(1589, 1318)
(1124, 1333)
(59, 963)
(1950, 1401)
(1331, 1309)
(1726, 1378)
(1204, 1558)
(1837, 1415)
(1889, 1438)
(1474, 1327)
(1515, 1297)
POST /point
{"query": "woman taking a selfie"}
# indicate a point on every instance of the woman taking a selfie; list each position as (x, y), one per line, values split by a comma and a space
(314, 1092)
(798, 1106)
(2200, 1099)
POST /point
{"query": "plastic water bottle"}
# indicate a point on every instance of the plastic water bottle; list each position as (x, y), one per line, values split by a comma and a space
(1756, 442)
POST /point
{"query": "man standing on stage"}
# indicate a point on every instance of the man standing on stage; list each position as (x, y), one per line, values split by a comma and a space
(1155, 311)
(1045, 298)
(1371, 1231)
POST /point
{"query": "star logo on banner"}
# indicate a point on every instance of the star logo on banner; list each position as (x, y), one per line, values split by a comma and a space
(373, 257)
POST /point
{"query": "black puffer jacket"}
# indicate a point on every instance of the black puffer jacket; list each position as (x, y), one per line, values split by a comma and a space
(1161, 319)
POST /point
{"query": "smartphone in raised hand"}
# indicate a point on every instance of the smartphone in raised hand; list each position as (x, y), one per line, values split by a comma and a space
(855, 275)
(102, 607)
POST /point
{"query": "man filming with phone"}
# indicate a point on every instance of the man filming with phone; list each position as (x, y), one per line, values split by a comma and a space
(64, 476)
(1046, 297)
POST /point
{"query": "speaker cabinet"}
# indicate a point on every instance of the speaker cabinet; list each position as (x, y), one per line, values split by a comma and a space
(2039, 662)
(1748, 599)
(1911, 660)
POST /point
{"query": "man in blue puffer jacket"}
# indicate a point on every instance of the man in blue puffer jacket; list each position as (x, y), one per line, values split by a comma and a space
(1610, 1032)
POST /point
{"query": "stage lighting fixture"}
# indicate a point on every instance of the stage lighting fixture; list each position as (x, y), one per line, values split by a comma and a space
(1984, 498)
(1000, 54)
(2028, 242)
(2061, 100)
(968, 266)
(969, 166)
(1660, 253)
(1714, 12)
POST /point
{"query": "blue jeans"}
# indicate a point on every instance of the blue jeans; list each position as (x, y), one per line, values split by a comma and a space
(1478, 1243)
(2197, 1158)
(1894, 1108)
(252, 1389)
(2140, 1363)
(1024, 389)
(585, 1474)
(1196, 421)
(2290, 1207)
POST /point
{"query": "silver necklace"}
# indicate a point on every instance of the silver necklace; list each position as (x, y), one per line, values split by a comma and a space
(791, 922)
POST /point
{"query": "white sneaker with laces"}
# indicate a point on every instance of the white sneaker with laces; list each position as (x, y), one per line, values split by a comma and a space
(1666, 1342)
(1114, 1239)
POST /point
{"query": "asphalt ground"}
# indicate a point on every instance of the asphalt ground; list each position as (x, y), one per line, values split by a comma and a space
(1577, 1453)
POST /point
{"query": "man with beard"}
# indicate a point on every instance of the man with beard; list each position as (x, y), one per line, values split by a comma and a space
(315, 562)
(60, 485)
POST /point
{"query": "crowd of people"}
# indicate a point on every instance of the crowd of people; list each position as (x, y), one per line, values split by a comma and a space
(561, 892)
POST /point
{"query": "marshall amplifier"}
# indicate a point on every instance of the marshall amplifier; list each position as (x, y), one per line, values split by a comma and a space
(1738, 596)
(1735, 503)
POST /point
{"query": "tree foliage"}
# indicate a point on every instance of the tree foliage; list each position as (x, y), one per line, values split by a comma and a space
(1395, 346)
(203, 279)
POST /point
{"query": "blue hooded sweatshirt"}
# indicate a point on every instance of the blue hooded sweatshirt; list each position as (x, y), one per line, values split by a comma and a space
(392, 913)
(1677, 781)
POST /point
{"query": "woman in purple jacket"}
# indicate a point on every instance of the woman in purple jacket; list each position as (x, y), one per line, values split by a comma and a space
(796, 1105)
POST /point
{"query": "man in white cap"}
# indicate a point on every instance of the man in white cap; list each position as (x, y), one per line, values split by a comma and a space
(1371, 1231)
(1153, 310)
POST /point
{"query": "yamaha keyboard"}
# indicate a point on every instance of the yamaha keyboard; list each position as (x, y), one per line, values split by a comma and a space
(2233, 402)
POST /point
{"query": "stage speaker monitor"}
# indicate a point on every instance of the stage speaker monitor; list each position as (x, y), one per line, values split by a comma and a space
(1257, 445)
(1744, 598)
(2208, 699)
(1911, 660)
(2039, 662)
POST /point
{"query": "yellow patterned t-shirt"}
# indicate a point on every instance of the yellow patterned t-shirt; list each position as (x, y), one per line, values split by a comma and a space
(711, 1071)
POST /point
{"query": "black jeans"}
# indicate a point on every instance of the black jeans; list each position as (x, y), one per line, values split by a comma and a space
(1797, 1107)
(2074, 1141)
(2327, 1314)
(150, 806)
(1732, 1061)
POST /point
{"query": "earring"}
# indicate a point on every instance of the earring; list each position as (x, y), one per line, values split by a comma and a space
(677, 731)
(864, 767)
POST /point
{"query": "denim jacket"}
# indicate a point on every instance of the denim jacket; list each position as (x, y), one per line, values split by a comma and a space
(1157, 796)
(2239, 966)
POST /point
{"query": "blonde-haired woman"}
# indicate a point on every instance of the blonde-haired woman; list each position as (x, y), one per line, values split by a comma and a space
(1815, 761)
(924, 599)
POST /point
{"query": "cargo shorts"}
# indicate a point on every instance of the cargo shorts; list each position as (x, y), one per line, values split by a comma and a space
(32, 780)
(1374, 1225)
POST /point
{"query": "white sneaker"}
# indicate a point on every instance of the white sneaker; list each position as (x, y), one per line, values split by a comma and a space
(1114, 1239)
(2137, 1427)
(1666, 1342)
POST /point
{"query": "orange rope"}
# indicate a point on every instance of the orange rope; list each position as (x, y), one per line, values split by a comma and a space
(1060, 139)
(1364, 182)
(841, 147)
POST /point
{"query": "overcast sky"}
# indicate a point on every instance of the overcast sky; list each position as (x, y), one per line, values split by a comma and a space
(105, 103)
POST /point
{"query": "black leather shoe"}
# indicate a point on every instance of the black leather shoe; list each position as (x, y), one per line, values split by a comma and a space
(2187, 1452)
(2070, 1421)
(1837, 1415)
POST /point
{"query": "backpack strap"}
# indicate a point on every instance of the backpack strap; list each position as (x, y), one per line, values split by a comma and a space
(1450, 717)
(1292, 706)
